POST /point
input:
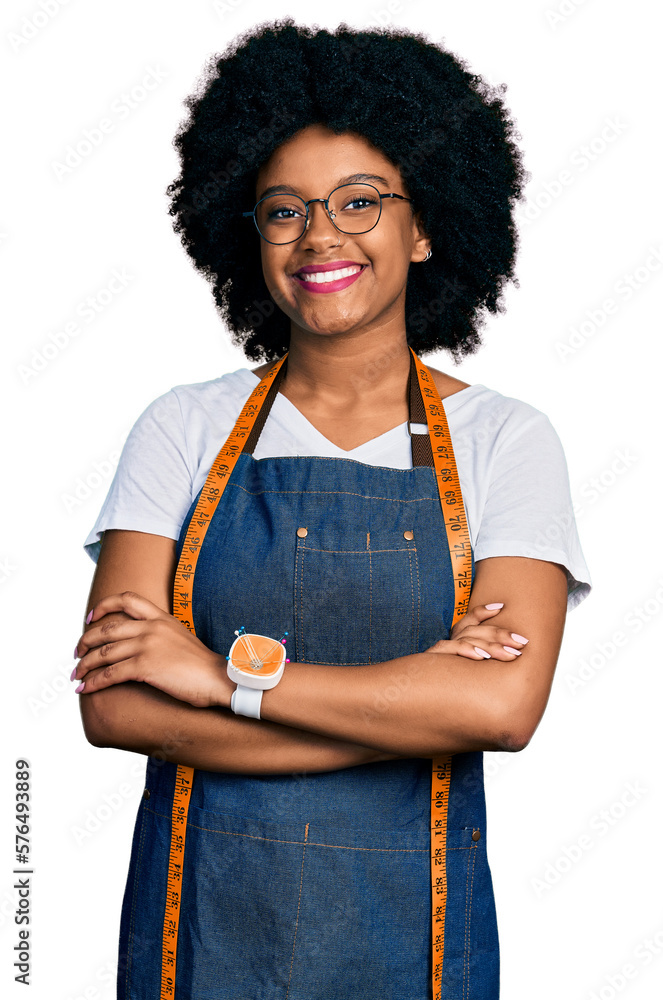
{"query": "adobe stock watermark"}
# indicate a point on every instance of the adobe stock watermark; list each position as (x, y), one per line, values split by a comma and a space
(600, 824)
(120, 109)
(598, 317)
(580, 160)
(633, 622)
(223, 7)
(562, 12)
(51, 689)
(33, 24)
(7, 569)
(111, 802)
(84, 487)
(645, 952)
(88, 309)
(597, 486)
(251, 148)
(105, 974)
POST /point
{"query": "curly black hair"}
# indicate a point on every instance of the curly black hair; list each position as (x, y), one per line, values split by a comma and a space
(445, 128)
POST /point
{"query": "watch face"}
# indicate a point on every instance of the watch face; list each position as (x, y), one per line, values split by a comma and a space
(257, 655)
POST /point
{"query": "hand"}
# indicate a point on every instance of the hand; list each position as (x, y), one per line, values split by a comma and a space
(470, 633)
(150, 646)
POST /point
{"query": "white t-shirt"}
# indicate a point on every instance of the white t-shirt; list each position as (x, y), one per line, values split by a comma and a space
(511, 466)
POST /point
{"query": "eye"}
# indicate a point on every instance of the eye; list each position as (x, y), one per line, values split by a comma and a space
(359, 202)
(283, 212)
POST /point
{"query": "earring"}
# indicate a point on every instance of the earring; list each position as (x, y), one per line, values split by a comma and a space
(429, 254)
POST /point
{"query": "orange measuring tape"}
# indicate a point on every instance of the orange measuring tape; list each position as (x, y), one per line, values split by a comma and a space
(458, 538)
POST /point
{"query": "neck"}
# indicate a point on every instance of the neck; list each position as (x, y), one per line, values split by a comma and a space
(347, 372)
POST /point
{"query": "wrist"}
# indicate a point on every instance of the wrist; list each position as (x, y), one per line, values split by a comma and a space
(225, 686)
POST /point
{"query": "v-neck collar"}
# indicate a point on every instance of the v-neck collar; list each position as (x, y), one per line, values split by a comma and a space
(375, 444)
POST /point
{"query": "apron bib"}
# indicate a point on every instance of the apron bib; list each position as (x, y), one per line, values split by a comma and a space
(316, 886)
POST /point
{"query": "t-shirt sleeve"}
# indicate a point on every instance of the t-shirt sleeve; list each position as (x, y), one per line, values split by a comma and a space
(151, 489)
(528, 509)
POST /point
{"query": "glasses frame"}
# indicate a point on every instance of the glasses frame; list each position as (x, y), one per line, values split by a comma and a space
(330, 214)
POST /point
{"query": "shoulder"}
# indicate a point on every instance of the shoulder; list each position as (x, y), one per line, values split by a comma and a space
(215, 401)
(445, 384)
(192, 410)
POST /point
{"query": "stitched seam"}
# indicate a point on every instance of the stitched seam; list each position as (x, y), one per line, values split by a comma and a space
(413, 648)
(312, 843)
(352, 552)
(468, 917)
(416, 563)
(299, 653)
(133, 904)
(349, 493)
(335, 663)
(370, 603)
(301, 881)
(301, 603)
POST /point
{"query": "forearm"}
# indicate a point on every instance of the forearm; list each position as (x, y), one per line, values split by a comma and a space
(423, 705)
(140, 718)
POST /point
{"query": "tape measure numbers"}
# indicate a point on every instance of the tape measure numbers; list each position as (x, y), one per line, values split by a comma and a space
(460, 552)
(458, 538)
(210, 495)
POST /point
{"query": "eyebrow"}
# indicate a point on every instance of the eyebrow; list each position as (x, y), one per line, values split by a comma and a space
(350, 179)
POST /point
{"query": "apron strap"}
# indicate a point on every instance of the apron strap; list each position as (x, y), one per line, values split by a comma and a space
(251, 442)
(422, 453)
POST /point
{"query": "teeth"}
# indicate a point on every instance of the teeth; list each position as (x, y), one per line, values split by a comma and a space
(321, 276)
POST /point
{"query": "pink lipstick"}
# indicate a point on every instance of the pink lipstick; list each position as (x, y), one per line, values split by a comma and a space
(330, 277)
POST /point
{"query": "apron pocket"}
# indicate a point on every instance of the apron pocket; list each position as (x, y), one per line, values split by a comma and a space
(143, 910)
(356, 596)
(471, 948)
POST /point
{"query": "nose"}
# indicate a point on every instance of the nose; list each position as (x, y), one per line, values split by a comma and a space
(320, 229)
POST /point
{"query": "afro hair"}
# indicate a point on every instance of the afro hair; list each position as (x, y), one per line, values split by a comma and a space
(445, 128)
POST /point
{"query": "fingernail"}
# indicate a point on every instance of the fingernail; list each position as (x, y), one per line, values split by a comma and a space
(76, 653)
(80, 687)
(483, 652)
(518, 638)
(73, 673)
(89, 617)
(510, 649)
(491, 607)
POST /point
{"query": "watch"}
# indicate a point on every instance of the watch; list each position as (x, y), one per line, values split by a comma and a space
(256, 663)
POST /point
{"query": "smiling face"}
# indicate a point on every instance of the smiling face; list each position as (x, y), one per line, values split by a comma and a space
(370, 293)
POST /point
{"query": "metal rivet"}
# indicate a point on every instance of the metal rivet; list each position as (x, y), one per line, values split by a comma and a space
(146, 793)
(302, 532)
(476, 835)
(409, 535)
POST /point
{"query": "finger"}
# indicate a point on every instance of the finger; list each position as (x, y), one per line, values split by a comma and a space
(490, 633)
(106, 630)
(104, 677)
(106, 655)
(131, 603)
(476, 615)
(480, 649)
(463, 647)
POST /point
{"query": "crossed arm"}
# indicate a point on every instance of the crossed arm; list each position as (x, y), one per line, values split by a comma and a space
(325, 718)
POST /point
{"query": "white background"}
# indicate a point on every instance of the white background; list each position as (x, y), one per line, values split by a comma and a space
(583, 85)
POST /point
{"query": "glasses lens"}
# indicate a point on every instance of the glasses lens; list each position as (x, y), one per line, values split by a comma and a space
(281, 218)
(355, 207)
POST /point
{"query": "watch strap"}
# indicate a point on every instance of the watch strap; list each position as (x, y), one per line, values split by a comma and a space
(246, 701)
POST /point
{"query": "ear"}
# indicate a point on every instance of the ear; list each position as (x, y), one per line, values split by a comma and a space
(421, 242)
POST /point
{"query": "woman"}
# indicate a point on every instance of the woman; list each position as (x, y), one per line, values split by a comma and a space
(286, 842)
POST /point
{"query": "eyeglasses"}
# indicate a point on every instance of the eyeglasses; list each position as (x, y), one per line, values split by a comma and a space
(352, 208)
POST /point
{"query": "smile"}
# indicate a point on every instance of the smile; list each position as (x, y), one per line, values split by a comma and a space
(328, 281)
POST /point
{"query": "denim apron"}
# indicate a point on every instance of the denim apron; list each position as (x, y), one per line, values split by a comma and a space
(317, 886)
